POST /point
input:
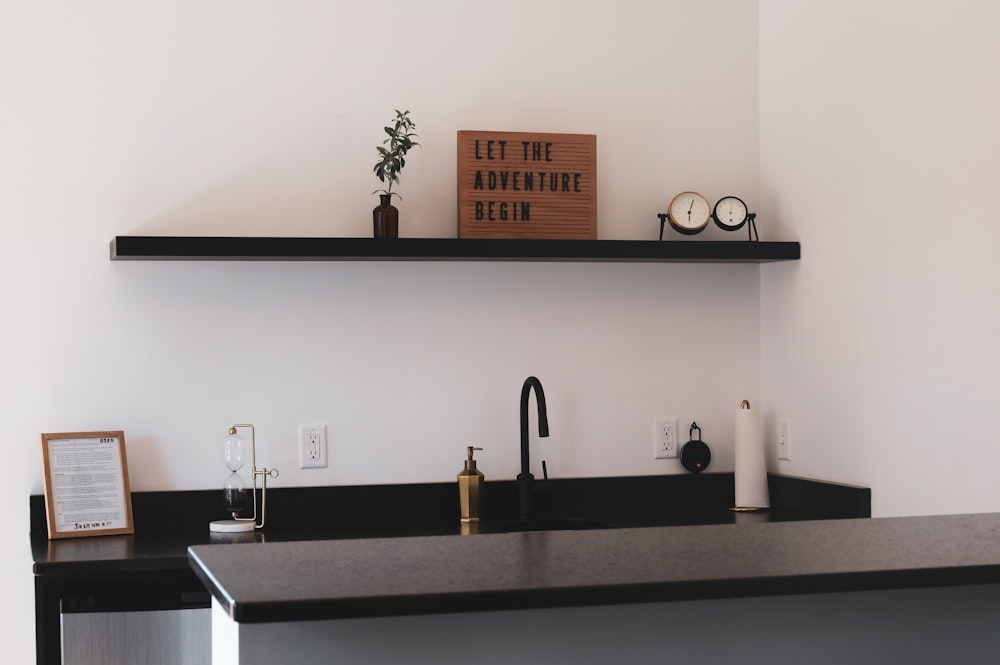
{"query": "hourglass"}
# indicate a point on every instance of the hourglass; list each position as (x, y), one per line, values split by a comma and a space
(237, 495)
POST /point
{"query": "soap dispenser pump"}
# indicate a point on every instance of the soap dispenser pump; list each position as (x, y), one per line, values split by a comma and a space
(470, 488)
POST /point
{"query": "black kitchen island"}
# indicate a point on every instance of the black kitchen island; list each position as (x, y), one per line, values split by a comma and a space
(875, 590)
(544, 569)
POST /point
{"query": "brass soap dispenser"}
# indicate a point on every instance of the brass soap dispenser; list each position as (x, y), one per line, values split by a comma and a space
(470, 488)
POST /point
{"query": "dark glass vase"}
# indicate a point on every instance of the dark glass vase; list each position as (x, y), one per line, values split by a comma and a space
(385, 218)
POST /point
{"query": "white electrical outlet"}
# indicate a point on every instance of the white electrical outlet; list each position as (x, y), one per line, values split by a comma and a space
(312, 446)
(665, 438)
(784, 442)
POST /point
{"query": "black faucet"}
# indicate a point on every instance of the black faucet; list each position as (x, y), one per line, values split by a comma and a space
(525, 481)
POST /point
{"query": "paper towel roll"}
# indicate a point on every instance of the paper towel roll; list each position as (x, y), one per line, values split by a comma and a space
(751, 473)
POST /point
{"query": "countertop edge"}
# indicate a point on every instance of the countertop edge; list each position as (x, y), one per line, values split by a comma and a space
(601, 596)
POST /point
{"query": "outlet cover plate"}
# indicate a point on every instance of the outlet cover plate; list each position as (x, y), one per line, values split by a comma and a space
(784, 441)
(665, 438)
(312, 446)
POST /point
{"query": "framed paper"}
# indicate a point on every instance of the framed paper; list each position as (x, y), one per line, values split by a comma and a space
(86, 484)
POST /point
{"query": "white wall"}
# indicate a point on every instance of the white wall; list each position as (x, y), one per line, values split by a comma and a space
(879, 140)
(242, 118)
(877, 135)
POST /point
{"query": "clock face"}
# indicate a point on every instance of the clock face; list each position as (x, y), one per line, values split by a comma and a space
(730, 213)
(689, 212)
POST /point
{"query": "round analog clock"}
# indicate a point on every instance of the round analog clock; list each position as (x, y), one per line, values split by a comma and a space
(689, 212)
(730, 213)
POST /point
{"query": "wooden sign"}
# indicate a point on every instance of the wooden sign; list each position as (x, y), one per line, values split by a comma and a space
(527, 185)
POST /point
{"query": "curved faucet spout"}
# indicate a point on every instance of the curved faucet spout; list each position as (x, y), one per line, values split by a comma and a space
(525, 479)
(543, 419)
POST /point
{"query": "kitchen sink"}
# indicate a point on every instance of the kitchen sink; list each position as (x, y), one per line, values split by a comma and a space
(549, 524)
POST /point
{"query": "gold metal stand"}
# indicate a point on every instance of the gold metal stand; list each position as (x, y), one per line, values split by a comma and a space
(238, 524)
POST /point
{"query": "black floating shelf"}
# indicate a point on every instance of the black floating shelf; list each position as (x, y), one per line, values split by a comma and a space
(212, 248)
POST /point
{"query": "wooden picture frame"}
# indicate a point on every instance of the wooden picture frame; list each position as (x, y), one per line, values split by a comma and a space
(86, 484)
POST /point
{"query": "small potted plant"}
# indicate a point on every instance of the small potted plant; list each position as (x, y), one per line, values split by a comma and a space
(391, 160)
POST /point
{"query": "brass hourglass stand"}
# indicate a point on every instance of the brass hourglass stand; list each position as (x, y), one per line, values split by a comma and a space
(237, 495)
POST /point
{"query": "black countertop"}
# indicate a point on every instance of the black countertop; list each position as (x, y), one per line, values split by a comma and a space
(324, 579)
(167, 523)
(150, 569)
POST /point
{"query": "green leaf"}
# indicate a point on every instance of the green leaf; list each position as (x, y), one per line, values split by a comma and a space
(391, 154)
